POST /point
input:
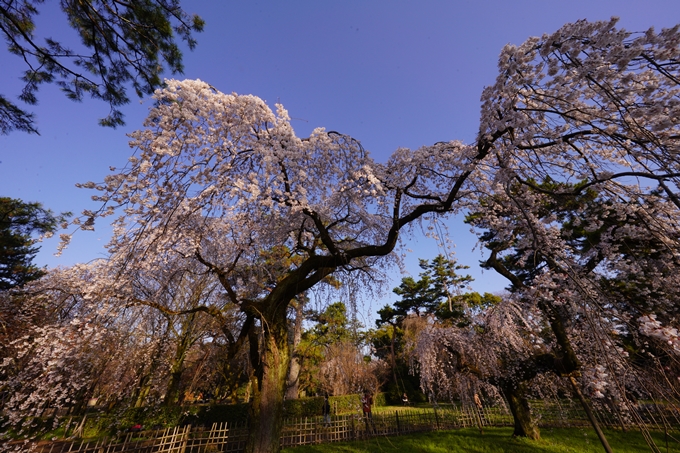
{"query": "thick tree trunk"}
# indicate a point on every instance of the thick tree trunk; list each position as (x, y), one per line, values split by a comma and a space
(172, 393)
(521, 413)
(267, 404)
(293, 379)
(143, 390)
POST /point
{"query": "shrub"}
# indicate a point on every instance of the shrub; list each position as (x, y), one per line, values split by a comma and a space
(303, 407)
(312, 406)
(218, 413)
(380, 399)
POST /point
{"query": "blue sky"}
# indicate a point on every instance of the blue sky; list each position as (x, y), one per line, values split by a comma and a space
(389, 73)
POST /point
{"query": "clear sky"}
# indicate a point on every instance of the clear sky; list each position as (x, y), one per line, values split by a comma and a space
(390, 73)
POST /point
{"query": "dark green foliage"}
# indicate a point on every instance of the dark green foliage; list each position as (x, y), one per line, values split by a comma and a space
(347, 403)
(117, 422)
(332, 328)
(436, 292)
(148, 417)
(561, 201)
(408, 383)
(218, 413)
(380, 399)
(438, 284)
(19, 221)
(303, 407)
(311, 407)
(98, 424)
(613, 239)
(164, 416)
(333, 325)
(473, 301)
(123, 43)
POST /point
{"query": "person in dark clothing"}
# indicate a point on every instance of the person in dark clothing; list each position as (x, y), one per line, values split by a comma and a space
(326, 411)
(366, 403)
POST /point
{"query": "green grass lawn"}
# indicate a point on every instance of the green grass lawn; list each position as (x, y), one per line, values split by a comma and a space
(424, 407)
(497, 440)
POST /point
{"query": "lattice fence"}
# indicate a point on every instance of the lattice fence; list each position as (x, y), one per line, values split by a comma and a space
(221, 437)
(312, 430)
(225, 437)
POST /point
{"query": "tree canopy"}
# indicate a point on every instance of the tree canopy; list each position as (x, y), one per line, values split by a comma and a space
(219, 179)
(572, 182)
(122, 44)
(435, 291)
(580, 211)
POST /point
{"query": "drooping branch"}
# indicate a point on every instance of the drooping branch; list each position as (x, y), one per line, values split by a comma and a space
(210, 310)
(222, 275)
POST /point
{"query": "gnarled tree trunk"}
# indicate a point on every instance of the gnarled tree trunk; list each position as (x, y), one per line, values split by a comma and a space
(521, 413)
(172, 394)
(271, 373)
(293, 379)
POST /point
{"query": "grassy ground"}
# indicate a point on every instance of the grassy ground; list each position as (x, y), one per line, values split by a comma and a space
(497, 440)
(426, 408)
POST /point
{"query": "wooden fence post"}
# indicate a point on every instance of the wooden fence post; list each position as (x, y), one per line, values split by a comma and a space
(185, 439)
(301, 431)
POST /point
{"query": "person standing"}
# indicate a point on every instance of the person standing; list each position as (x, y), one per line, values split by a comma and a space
(366, 404)
(326, 411)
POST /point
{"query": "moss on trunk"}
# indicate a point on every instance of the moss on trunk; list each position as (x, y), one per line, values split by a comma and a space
(521, 412)
(267, 404)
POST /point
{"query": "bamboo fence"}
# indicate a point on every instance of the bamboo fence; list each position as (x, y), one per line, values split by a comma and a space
(224, 437)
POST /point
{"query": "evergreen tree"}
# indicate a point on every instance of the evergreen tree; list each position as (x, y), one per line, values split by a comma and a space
(19, 221)
(435, 291)
(124, 43)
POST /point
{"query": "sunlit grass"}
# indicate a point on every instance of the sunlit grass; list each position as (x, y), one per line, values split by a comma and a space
(423, 408)
(497, 440)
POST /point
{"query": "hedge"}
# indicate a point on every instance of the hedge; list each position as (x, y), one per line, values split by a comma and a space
(205, 415)
(310, 407)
